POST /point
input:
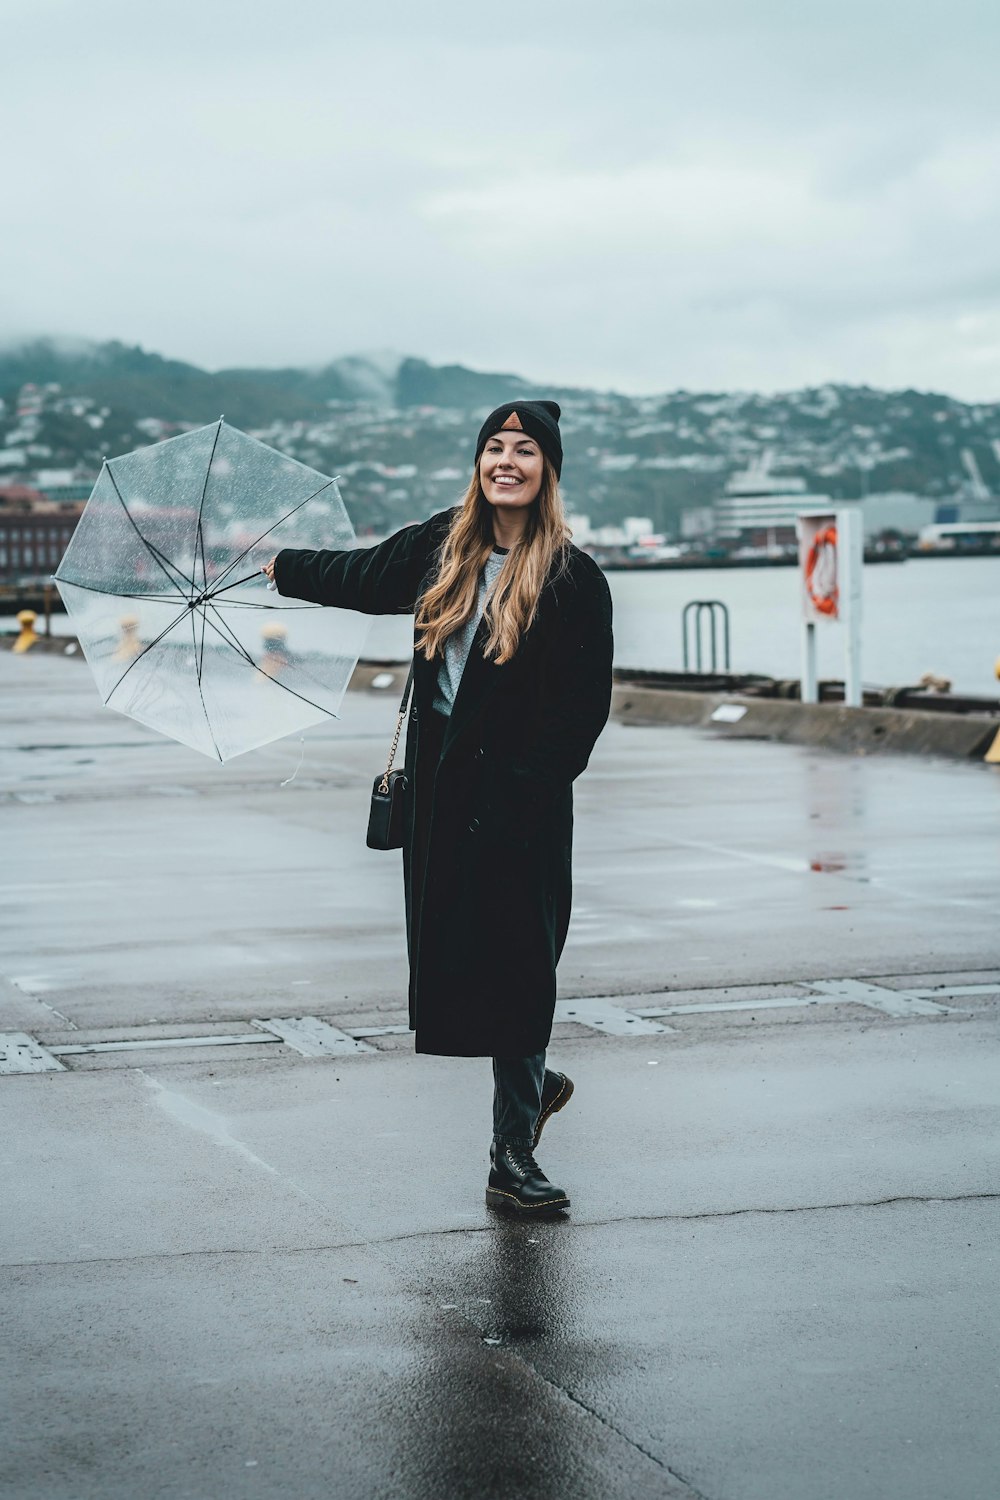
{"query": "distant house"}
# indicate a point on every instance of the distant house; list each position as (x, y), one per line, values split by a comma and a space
(34, 532)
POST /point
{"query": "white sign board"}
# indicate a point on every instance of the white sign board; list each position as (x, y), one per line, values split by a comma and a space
(830, 563)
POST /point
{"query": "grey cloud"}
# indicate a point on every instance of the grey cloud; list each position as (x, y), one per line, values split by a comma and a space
(672, 194)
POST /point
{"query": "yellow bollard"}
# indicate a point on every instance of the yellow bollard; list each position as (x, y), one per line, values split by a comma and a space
(26, 619)
(275, 657)
(129, 645)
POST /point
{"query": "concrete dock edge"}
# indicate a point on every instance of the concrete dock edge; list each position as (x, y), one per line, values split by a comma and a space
(831, 726)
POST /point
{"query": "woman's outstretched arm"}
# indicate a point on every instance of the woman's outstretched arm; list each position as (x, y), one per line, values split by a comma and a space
(381, 580)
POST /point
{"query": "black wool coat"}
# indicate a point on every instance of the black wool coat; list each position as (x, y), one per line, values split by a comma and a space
(487, 915)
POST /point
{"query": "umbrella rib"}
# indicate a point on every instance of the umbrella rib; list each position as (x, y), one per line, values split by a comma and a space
(239, 558)
(92, 588)
(201, 550)
(135, 661)
(294, 604)
(200, 535)
(232, 640)
(201, 695)
(248, 579)
(154, 552)
(241, 649)
(201, 661)
(298, 667)
(197, 658)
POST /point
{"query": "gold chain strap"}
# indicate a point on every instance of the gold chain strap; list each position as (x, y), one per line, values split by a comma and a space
(383, 785)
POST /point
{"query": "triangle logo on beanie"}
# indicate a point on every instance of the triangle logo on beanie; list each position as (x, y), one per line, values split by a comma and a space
(512, 421)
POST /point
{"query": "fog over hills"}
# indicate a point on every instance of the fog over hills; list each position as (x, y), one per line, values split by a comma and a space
(401, 430)
(132, 380)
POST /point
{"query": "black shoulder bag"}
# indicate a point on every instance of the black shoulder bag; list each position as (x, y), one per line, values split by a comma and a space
(385, 821)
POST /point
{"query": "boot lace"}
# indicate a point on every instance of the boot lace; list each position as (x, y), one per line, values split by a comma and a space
(522, 1161)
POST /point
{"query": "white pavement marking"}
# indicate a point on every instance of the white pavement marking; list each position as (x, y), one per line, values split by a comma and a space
(312, 1037)
(891, 1002)
(20, 1053)
(34, 984)
(198, 1117)
(803, 866)
(618, 1015)
(605, 1015)
(243, 1037)
(705, 1006)
(775, 861)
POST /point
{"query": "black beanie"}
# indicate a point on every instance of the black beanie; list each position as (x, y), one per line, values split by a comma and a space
(536, 419)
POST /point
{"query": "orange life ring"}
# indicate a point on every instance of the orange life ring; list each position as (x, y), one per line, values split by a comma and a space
(824, 604)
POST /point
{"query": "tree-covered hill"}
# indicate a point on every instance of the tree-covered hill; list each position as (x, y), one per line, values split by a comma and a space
(400, 430)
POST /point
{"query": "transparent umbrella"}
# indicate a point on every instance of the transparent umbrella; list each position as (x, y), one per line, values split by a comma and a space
(162, 581)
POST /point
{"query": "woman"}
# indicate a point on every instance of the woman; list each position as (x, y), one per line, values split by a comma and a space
(511, 687)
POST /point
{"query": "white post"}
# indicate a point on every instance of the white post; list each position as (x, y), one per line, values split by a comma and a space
(850, 563)
(810, 681)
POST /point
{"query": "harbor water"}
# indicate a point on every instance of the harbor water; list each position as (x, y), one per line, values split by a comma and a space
(937, 615)
(925, 615)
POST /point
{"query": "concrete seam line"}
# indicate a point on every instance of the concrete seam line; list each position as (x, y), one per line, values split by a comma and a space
(690, 1492)
(796, 1208)
(430, 1234)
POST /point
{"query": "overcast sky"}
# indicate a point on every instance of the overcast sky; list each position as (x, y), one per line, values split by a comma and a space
(718, 194)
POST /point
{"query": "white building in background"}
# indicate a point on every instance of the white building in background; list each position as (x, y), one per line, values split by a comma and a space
(45, 479)
(632, 530)
(637, 527)
(757, 500)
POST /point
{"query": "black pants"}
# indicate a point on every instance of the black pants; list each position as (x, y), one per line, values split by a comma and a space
(517, 1082)
(517, 1098)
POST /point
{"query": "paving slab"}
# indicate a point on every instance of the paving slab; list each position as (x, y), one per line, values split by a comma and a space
(698, 863)
(777, 1278)
(241, 1270)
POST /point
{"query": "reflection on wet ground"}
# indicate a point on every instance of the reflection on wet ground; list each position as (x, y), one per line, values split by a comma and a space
(491, 1409)
(524, 1277)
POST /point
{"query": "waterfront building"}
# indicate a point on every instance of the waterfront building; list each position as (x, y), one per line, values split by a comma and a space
(968, 538)
(759, 508)
(34, 532)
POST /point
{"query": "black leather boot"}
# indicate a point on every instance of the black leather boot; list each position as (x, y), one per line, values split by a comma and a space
(518, 1184)
(557, 1090)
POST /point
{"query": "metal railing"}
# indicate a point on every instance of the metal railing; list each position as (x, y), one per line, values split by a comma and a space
(691, 630)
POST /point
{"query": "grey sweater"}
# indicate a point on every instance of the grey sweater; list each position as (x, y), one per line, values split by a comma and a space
(458, 646)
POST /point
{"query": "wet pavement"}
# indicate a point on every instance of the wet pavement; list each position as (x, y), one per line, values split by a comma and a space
(232, 1268)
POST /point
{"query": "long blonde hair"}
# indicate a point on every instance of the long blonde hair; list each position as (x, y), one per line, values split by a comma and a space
(513, 602)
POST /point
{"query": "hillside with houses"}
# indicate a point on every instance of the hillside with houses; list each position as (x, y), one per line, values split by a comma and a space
(399, 432)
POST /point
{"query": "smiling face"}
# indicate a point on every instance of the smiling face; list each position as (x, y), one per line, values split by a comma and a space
(510, 471)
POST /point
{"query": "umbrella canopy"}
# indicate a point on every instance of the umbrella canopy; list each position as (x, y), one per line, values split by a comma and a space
(162, 580)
